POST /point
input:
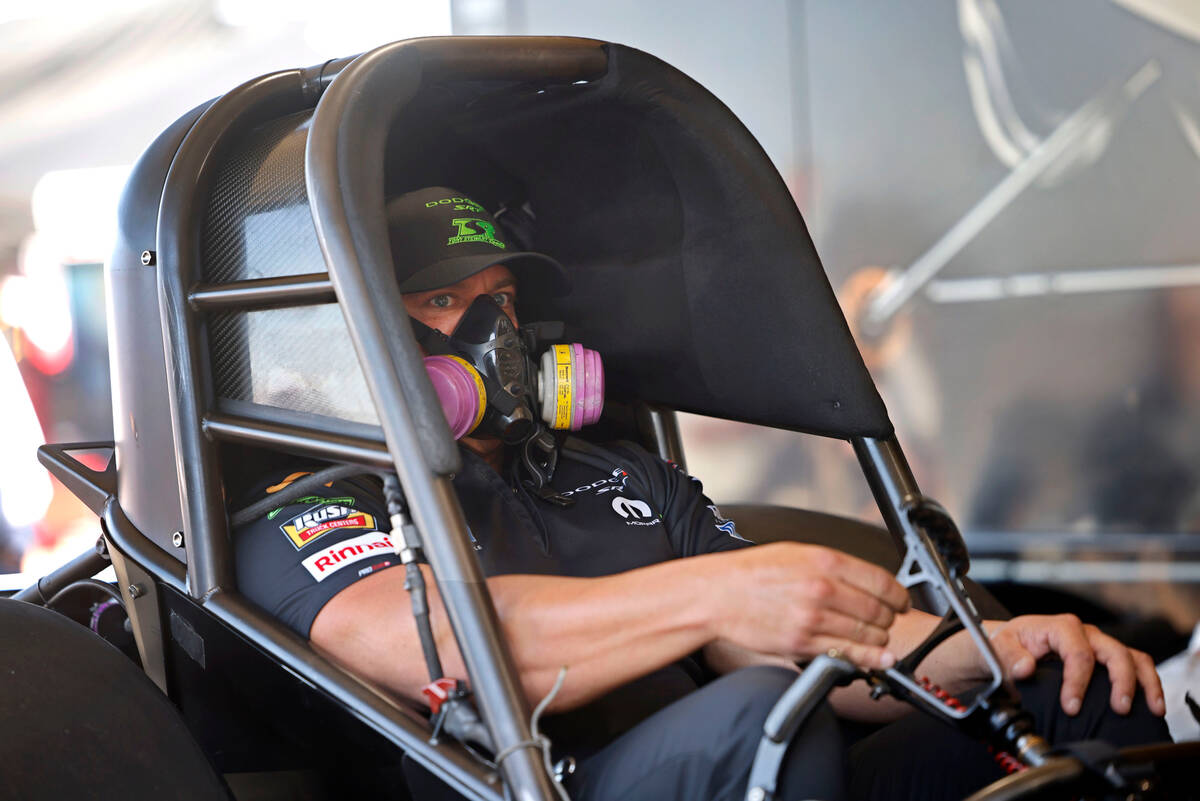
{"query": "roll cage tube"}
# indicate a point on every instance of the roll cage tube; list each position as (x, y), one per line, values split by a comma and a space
(934, 562)
(344, 169)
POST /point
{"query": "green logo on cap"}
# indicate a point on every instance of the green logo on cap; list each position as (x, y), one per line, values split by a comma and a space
(473, 229)
(459, 203)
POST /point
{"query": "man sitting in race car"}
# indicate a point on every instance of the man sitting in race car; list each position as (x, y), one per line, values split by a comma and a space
(678, 634)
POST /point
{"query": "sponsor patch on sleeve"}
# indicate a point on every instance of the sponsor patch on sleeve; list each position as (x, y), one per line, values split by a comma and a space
(317, 520)
(369, 569)
(327, 561)
(310, 500)
(725, 524)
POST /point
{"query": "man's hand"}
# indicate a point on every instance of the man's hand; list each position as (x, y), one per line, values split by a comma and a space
(798, 601)
(1020, 642)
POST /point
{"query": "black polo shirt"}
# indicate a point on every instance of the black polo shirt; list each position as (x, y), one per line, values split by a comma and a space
(630, 510)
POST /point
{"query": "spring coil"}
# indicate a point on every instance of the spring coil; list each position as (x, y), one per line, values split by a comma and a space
(1005, 760)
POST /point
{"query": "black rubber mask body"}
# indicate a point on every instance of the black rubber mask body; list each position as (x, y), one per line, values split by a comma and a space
(487, 338)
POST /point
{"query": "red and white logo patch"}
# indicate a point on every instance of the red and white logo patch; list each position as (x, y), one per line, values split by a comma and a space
(323, 564)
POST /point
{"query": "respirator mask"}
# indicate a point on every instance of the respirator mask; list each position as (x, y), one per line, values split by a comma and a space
(496, 380)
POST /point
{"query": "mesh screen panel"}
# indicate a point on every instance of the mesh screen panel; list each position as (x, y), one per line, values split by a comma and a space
(259, 225)
(300, 359)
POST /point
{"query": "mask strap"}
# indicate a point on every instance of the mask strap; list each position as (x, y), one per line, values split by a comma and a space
(539, 457)
(434, 341)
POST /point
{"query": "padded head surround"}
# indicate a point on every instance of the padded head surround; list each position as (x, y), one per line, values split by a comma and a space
(693, 272)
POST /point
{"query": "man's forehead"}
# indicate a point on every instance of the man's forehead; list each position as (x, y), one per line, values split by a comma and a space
(495, 277)
(506, 278)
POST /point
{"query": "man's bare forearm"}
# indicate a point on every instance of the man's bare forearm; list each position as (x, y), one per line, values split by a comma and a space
(605, 631)
(785, 598)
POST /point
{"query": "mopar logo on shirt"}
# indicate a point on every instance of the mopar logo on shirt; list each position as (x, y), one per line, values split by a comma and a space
(636, 513)
(315, 521)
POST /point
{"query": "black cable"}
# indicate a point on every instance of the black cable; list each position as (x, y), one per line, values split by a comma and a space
(946, 627)
(414, 582)
(74, 586)
(297, 489)
(414, 579)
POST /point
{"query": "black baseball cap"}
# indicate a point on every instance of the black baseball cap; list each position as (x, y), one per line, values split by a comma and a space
(440, 236)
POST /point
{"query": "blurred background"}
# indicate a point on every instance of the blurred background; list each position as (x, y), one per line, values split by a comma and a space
(1005, 193)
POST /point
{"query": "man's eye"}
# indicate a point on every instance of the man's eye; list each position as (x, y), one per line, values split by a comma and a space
(441, 301)
(502, 298)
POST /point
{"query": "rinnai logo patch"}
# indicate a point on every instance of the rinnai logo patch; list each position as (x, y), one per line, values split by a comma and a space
(312, 523)
(325, 563)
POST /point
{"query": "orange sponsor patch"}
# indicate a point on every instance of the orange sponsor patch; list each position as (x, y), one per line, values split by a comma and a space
(313, 523)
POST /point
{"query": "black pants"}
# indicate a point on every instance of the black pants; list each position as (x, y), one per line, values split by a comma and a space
(701, 747)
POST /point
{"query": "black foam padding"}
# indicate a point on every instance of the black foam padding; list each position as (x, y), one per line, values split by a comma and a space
(83, 722)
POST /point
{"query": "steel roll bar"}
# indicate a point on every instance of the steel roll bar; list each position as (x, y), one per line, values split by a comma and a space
(344, 168)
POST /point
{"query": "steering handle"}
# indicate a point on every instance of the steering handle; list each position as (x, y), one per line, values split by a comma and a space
(1063, 772)
(1164, 771)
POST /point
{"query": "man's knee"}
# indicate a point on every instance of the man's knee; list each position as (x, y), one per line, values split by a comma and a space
(814, 766)
(752, 693)
(1096, 719)
(736, 706)
(703, 746)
